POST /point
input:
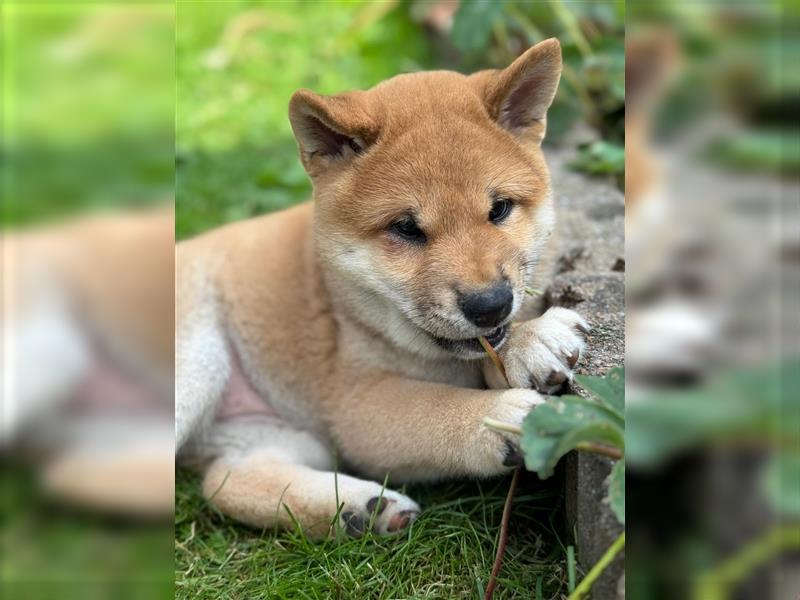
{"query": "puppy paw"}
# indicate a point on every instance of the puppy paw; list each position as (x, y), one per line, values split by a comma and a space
(386, 513)
(542, 353)
(497, 451)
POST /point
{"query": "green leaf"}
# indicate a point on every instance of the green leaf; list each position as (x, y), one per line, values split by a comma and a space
(734, 405)
(604, 432)
(608, 390)
(556, 427)
(616, 490)
(767, 150)
(560, 414)
(600, 158)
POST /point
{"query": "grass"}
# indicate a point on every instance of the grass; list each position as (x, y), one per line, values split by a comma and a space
(447, 553)
(49, 550)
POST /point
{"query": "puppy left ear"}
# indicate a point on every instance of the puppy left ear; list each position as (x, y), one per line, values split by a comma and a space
(330, 130)
(518, 96)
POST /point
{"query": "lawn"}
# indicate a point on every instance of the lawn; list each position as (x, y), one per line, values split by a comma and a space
(448, 552)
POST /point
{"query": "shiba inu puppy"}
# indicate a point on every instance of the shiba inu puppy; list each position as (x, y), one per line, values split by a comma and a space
(351, 322)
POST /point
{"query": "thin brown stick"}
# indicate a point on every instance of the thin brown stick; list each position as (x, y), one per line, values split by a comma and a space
(503, 540)
(494, 358)
(600, 449)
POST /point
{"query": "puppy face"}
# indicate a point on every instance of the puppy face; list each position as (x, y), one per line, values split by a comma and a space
(433, 198)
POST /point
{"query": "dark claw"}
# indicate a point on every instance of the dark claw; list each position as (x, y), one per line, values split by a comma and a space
(556, 378)
(373, 502)
(572, 359)
(582, 329)
(353, 524)
(513, 456)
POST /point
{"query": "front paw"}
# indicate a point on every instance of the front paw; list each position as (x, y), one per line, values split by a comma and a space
(497, 447)
(541, 353)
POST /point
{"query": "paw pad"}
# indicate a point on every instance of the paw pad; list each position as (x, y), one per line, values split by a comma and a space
(556, 378)
(372, 503)
(353, 524)
(401, 520)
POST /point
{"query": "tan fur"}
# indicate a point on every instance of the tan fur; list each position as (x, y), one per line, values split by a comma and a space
(331, 314)
(651, 59)
(85, 300)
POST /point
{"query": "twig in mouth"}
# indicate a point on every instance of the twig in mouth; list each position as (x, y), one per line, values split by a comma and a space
(494, 358)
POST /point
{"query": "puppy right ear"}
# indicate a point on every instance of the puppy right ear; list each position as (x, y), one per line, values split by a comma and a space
(330, 130)
(518, 97)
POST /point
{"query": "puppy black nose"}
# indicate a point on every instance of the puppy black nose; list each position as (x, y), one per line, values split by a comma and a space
(488, 307)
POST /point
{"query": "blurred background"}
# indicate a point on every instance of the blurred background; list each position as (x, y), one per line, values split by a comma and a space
(713, 282)
(86, 478)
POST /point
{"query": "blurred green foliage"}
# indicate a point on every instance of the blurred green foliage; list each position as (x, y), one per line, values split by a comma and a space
(238, 63)
(601, 158)
(50, 550)
(742, 404)
(88, 108)
(733, 75)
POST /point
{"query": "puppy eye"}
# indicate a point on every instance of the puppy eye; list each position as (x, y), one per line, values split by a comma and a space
(501, 208)
(408, 229)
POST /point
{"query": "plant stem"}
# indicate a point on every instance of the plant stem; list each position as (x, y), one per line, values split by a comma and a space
(719, 581)
(503, 540)
(597, 570)
(533, 291)
(600, 449)
(570, 568)
(502, 426)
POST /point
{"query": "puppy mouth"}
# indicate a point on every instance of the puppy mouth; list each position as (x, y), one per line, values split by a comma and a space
(471, 346)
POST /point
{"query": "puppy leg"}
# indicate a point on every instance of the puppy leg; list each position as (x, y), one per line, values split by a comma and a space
(121, 466)
(287, 479)
(421, 431)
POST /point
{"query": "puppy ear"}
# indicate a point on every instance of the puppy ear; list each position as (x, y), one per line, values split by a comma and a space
(330, 130)
(518, 96)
